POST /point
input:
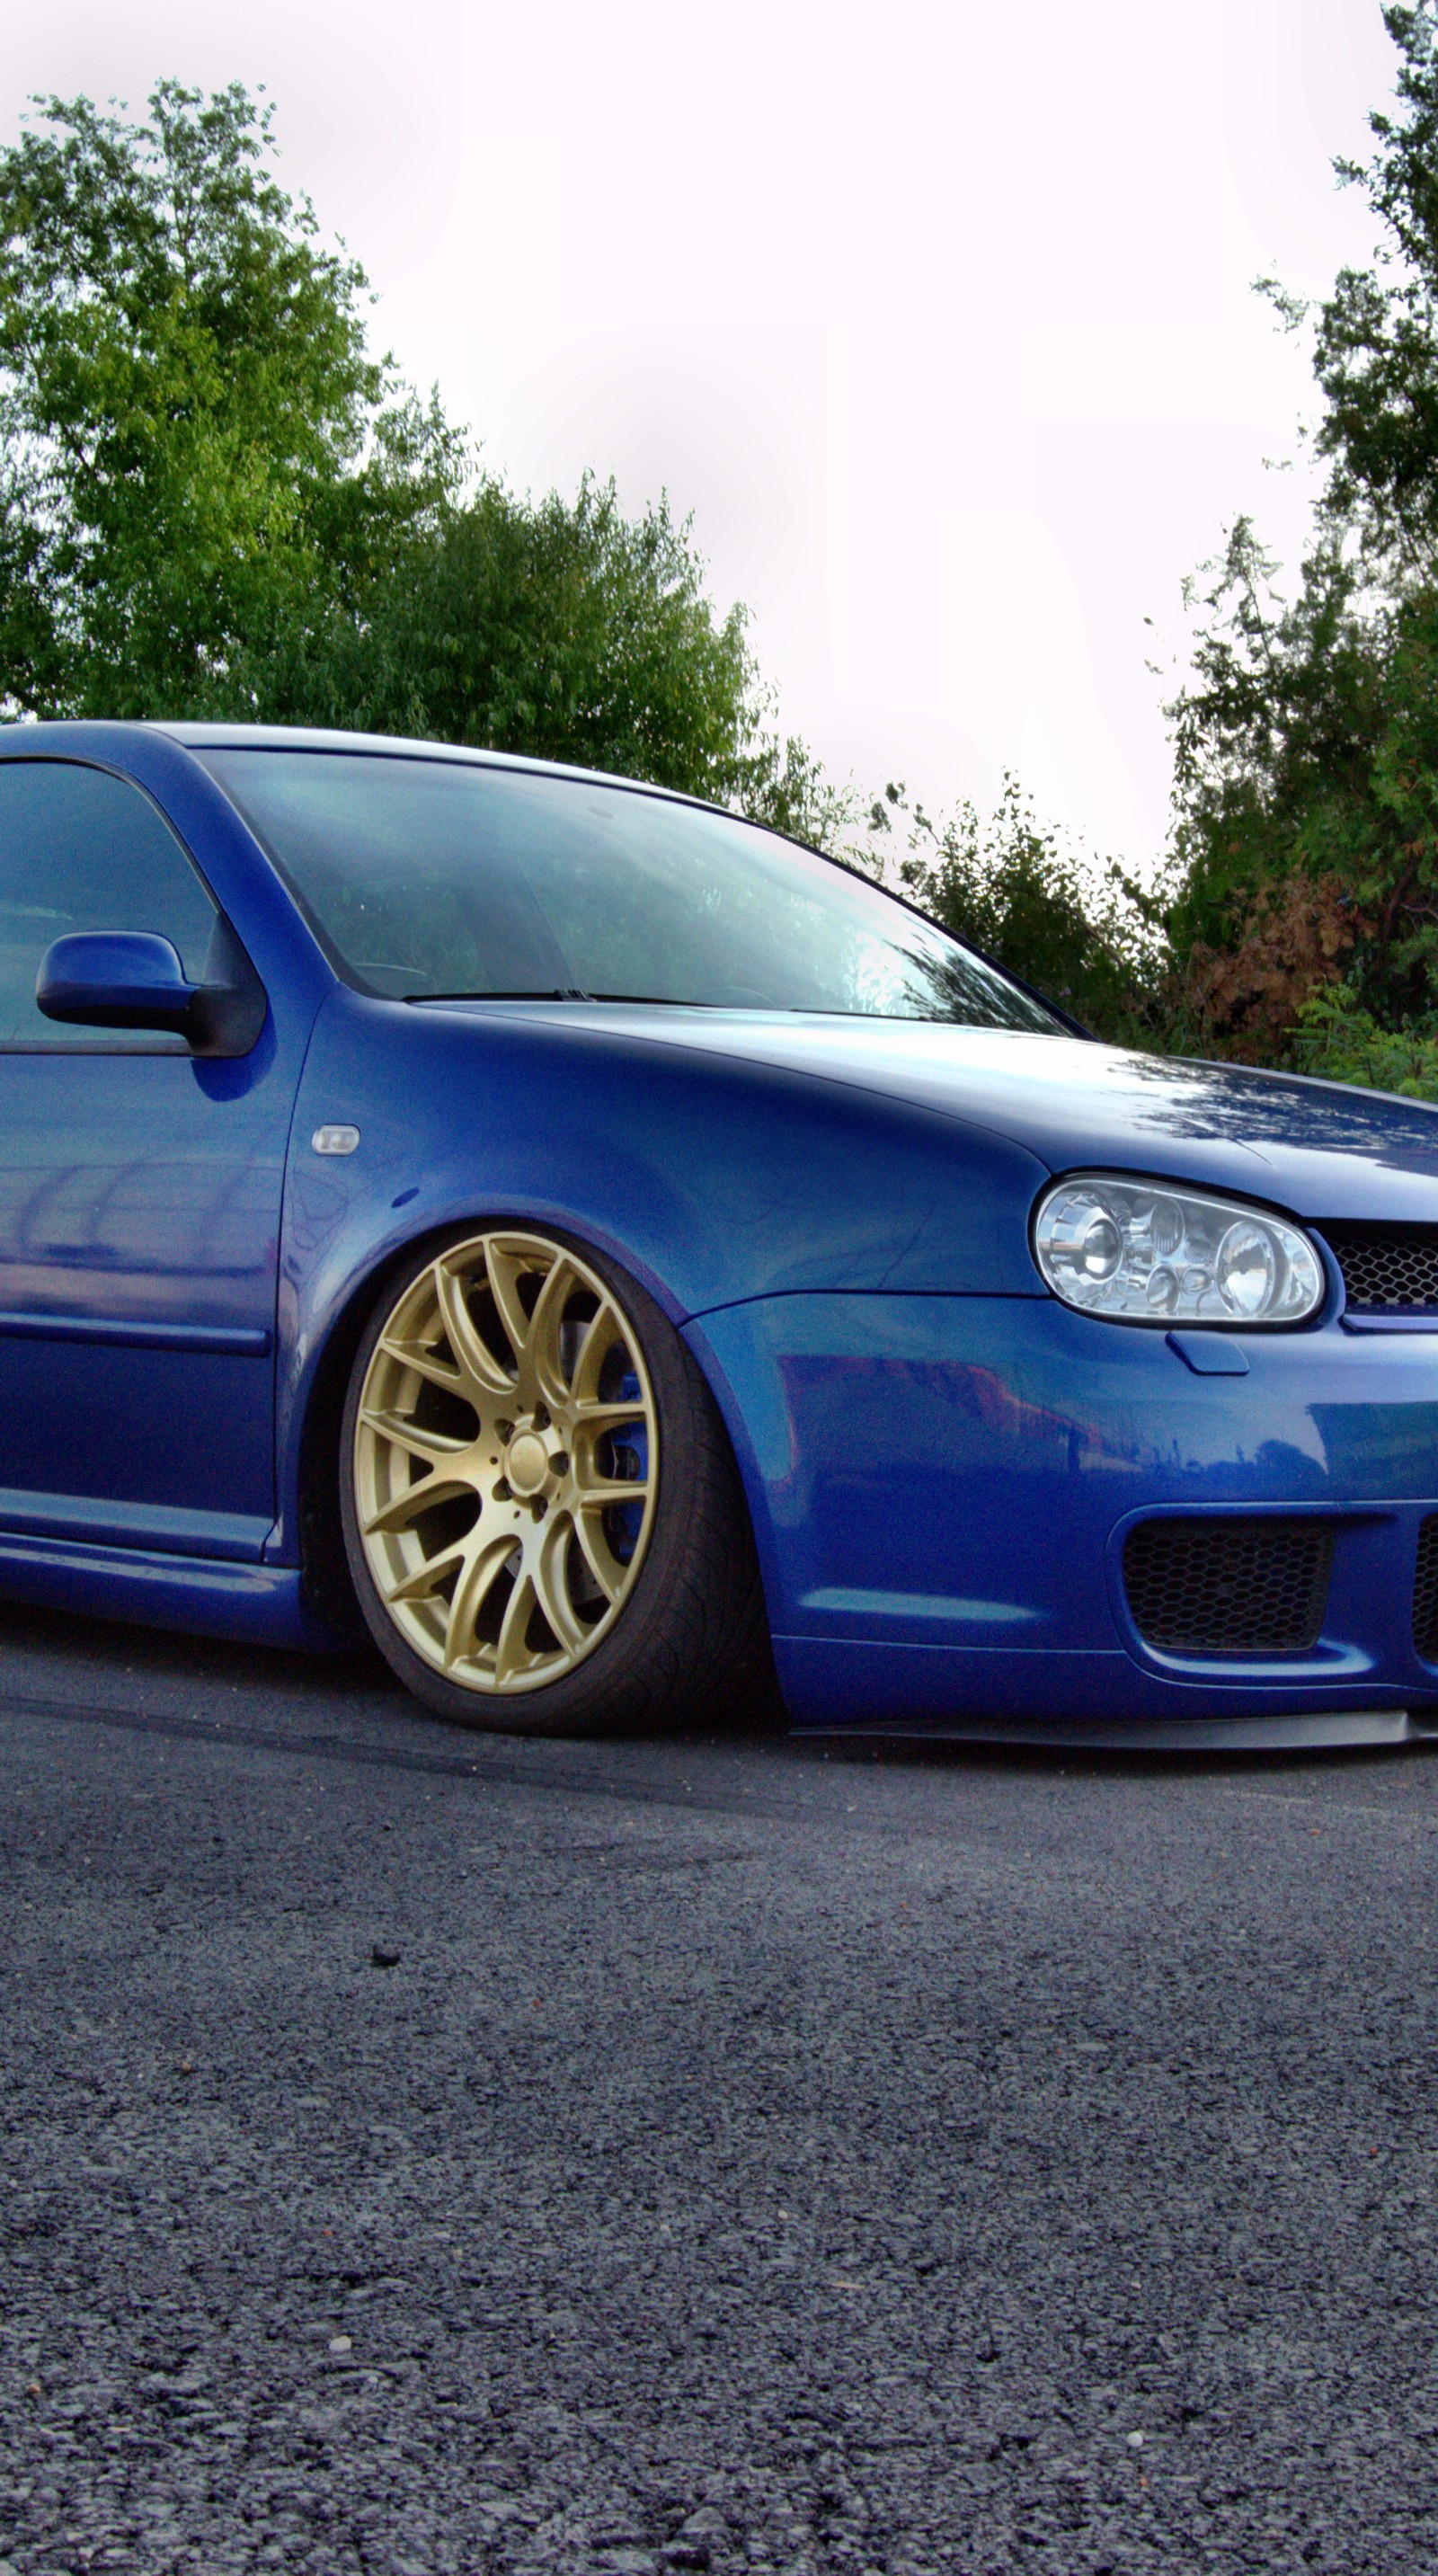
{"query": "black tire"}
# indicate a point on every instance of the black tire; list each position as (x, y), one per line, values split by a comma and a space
(690, 1644)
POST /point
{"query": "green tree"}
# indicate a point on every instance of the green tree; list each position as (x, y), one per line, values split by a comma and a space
(214, 501)
(1010, 885)
(1307, 741)
(200, 456)
(557, 628)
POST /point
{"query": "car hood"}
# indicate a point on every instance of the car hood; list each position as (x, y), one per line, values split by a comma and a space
(1321, 1149)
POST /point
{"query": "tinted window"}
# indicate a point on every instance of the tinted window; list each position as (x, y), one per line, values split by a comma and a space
(80, 850)
(429, 876)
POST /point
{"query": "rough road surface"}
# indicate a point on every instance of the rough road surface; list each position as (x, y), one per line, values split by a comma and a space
(428, 2153)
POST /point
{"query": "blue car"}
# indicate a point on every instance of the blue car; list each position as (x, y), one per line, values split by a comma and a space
(630, 1264)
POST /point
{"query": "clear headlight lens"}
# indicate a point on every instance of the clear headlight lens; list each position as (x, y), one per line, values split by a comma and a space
(1162, 1256)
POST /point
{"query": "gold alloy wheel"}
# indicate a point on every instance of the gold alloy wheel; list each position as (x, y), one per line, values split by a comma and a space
(506, 1462)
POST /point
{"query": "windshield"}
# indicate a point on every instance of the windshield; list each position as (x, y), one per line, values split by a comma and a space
(428, 878)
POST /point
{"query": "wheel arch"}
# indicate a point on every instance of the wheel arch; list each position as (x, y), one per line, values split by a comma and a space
(325, 1576)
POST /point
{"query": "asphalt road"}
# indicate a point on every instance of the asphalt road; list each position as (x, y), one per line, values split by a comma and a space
(751, 2158)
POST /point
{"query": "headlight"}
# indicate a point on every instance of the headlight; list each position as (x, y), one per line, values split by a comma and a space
(1152, 1255)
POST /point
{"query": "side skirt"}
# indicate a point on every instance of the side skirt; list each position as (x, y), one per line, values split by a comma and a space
(262, 1605)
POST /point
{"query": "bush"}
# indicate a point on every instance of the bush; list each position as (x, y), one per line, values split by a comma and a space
(1335, 1037)
(1076, 928)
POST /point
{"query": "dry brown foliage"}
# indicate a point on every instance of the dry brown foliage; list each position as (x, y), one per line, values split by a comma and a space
(1243, 1001)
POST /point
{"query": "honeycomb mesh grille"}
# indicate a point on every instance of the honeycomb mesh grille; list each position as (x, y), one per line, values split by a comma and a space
(1387, 1269)
(1425, 1592)
(1228, 1587)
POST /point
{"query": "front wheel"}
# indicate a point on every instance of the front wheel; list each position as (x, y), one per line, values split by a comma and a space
(541, 1511)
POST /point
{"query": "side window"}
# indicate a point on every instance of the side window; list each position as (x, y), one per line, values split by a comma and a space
(81, 850)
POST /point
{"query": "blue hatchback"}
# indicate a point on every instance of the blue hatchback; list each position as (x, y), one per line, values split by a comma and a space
(627, 1260)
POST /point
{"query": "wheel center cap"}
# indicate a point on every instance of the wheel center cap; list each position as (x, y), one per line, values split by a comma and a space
(527, 1465)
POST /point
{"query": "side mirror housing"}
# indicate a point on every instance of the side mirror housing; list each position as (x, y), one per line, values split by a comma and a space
(115, 979)
(133, 979)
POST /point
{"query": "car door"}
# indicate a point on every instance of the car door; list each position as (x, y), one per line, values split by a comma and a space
(139, 1203)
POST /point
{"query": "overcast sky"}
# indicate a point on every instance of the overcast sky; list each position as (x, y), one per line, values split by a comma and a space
(937, 318)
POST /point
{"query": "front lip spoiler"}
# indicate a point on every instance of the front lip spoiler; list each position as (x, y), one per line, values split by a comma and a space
(1324, 1729)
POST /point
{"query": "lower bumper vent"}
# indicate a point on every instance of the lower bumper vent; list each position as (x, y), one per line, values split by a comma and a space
(1425, 1592)
(1233, 1587)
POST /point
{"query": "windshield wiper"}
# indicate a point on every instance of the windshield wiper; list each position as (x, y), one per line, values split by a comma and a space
(576, 993)
(519, 993)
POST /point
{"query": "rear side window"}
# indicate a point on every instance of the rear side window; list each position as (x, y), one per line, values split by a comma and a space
(82, 850)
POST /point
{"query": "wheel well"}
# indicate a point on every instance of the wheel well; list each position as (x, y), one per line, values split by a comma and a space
(324, 1568)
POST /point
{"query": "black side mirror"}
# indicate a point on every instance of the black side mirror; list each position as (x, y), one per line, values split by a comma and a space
(133, 979)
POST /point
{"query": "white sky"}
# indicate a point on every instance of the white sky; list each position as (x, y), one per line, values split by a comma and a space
(936, 317)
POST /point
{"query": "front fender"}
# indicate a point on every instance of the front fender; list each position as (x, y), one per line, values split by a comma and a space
(711, 1179)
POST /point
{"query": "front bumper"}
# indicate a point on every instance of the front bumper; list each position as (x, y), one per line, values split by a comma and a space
(942, 1488)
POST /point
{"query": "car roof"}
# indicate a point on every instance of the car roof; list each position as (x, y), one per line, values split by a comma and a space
(260, 737)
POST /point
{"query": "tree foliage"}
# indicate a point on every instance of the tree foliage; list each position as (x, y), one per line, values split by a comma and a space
(1307, 742)
(199, 453)
(1335, 1037)
(557, 628)
(1013, 887)
(214, 501)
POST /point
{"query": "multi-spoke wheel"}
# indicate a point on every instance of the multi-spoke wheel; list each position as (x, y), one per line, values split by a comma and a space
(530, 1458)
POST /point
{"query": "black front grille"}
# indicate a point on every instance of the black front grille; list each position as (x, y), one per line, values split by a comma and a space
(1229, 1587)
(1387, 1269)
(1425, 1592)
